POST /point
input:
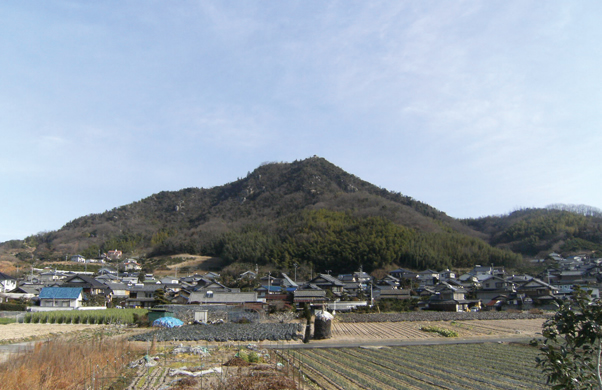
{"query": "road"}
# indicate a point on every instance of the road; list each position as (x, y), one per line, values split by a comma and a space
(397, 343)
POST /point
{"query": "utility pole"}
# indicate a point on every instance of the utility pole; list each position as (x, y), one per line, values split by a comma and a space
(269, 283)
(295, 265)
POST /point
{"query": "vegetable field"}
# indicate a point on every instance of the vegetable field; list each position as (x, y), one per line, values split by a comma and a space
(459, 366)
(225, 332)
(108, 316)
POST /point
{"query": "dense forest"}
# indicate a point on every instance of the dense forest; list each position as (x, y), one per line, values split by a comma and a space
(312, 212)
(536, 232)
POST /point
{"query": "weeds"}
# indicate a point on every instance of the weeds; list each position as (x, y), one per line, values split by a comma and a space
(442, 331)
(65, 363)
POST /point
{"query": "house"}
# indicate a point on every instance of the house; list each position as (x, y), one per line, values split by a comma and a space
(448, 297)
(131, 265)
(428, 277)
(51, 276)
(328, 282)
(208, 284)
(390, 281)
(224, 298)
(248, 275)
(383, 292)
(402, 273)
(142, 295)
(537, 290)
(288, 283)
(264, 291)
(64, 297)
(132, 279)
(169, 280)
(491, 286)
(447, 275)
(362, 277)
(114, 254)
(309, 296)
(7, 283)
(78, 259)
(118, 290)
(107, 271)
(88, 284)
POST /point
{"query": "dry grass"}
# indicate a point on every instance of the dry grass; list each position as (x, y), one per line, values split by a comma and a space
(67, 363)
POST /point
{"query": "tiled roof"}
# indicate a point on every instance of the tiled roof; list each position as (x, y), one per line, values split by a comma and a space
(4, 276)
(60, 292)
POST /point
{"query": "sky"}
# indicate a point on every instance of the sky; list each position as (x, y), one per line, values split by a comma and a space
(474, 107)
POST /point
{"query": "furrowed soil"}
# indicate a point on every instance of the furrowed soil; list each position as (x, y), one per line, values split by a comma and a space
(373, 331)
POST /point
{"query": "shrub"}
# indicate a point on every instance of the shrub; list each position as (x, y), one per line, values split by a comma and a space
(12, 307)
(253, 357)
(442, 331)
(243, 355)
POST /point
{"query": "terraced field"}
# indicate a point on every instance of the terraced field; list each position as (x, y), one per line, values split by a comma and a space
(453, 367)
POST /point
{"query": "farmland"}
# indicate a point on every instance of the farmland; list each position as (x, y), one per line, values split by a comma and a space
(108, 316)
(460, 366)
(375, 331)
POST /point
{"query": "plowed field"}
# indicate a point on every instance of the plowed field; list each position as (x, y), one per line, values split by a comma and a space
(411, 330)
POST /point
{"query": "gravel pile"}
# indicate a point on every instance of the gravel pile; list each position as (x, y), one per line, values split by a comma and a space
(226, 332)
(435, 316)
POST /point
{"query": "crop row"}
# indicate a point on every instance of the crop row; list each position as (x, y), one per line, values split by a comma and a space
(494, 364)
(440, 375)
(317, 368)
(344, 373)
(226, 332)
(430, 367)
(435, 316)
(108, 316)
(378, 330)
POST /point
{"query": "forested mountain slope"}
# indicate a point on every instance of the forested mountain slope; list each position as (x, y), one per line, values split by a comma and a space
(539, 231)
(307, 211)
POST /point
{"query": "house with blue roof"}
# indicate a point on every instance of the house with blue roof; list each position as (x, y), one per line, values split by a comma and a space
(63, 297)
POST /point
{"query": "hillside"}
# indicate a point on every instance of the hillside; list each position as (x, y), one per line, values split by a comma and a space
(309, 212)
(535, 232)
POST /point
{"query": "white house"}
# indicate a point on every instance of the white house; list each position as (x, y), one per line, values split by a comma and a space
(67, 297)
(7, 283)
(78, 259)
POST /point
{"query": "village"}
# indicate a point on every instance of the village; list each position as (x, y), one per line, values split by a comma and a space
(485, 287)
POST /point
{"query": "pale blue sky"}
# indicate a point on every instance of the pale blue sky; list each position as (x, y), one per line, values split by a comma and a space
(474, 107)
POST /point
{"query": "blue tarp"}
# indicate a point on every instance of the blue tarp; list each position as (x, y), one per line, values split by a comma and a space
(168, 322)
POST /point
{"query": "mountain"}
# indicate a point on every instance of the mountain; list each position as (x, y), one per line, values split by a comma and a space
(307, 212)
(535, 232)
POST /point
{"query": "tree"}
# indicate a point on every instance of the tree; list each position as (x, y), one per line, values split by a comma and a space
(159, 296)
(571, 352)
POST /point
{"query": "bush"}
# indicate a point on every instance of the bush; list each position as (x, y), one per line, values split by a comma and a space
(442, 331)
(243, 355)
(12, 307)
(253, 357)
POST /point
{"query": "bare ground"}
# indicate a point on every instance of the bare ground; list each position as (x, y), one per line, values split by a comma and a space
(411, 330)
(17, 332)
